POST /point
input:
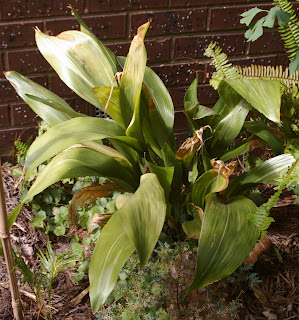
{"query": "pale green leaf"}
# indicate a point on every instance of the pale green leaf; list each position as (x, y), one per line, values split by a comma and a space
(27, 89)
(79, 62)
(205, 184)
(263, 95)
(132, 76)
(65, 135)
(226, 239)
(82, 162)
(249, 15)
(143, 216)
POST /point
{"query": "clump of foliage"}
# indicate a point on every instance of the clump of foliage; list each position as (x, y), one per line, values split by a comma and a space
(193, 192)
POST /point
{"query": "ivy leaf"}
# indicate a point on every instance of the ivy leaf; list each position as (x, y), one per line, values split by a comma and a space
(282, 17)
(249, 15)
(38, 220)
(256, 31)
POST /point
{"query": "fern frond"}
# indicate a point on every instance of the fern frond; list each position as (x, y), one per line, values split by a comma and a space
(290, 31)
(224, 68)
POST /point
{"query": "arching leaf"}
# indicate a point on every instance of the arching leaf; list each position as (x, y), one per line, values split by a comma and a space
(65, 135)
(79, 61)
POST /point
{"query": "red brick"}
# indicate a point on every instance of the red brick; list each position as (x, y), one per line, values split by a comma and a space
(57, 86)
(1, 64)
(229, 18)
(180, 137)
(179, 74)
(158, 50)
(4, 117)
(194, 46)
(8, 136)
(16, 9)
(180, 121)
(283, 60)
(18, 34)
(190, 3)
(103, 26)
(79, 105)
(8, 93)
(122, 5)
(170, 21)
(27, 61)
(22, 114)
(177, 96)
(269, 42)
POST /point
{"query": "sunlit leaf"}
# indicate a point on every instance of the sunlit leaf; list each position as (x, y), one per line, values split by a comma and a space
(263, 95)
(65, 135)
(79, 61)
(26, 87)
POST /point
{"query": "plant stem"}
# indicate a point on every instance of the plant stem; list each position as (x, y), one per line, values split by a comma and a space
(5, 239)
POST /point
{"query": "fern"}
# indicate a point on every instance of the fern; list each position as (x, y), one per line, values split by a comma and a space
(261, 217)
(223, 67)
(290, 31)
(22, 148)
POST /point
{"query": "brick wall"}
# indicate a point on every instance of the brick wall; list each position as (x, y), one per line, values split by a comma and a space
(179, 33)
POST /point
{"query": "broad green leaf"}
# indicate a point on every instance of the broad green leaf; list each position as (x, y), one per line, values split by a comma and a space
(84, 28)
(132, 76)
(240, 149)
(112, 250)
(249, 15)
(56, 106)
(139, 221)
(202, 112)
(226, 239)
(205, 184)
(122, 199)
(191, 94)
(26, 87)
(143, 216)
(113, 107)
(82, 162)
(262, 131)
(164, 175)
(110, 152)
(38, 220)
(263, 95)
(230, 126)
(160, 96)
(79, 61)
(129, 141)
(65, 135)
(268, 172)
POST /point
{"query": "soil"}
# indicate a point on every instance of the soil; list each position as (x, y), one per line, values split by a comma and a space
(275, 297)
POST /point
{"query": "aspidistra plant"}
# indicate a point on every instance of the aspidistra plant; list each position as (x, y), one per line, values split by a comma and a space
(194, 186)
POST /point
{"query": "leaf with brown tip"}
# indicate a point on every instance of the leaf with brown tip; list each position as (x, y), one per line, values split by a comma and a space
(89, 194)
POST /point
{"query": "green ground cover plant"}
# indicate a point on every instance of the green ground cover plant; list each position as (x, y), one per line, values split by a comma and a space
(194, 192)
